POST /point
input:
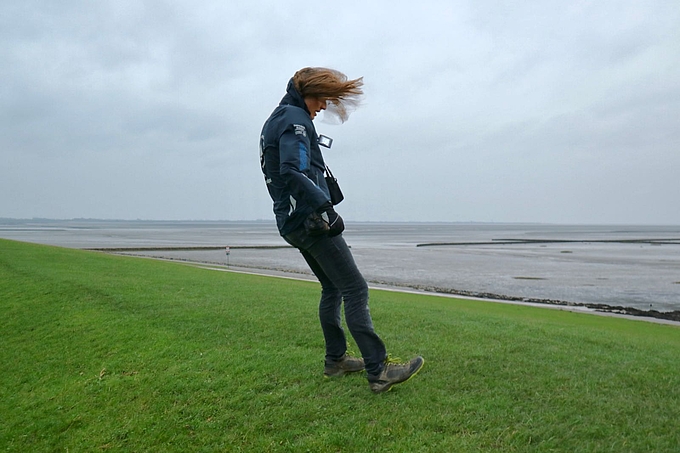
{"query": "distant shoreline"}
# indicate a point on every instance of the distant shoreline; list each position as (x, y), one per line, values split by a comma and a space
(625, 269)
(12, 220)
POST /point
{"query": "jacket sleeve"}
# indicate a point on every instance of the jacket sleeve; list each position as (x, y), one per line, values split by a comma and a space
(295, 162)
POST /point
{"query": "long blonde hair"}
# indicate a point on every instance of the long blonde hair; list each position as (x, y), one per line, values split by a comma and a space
(343, 95)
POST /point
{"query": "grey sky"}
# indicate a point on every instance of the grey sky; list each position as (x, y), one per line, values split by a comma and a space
(563, 112)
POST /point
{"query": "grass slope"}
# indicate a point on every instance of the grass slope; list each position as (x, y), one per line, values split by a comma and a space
(108, 353)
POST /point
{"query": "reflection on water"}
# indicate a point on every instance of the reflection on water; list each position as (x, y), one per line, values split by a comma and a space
(644, 275)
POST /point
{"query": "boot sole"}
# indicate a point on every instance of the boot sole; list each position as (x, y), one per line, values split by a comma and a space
(340, 373)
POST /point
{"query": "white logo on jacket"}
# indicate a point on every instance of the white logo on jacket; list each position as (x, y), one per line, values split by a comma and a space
(300, 130)
(293, 205)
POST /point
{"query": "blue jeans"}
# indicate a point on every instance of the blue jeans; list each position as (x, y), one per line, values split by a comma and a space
(331, 261)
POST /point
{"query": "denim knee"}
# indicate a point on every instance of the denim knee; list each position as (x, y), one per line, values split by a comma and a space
(357, 290)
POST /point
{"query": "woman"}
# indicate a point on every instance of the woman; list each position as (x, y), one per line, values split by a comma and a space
(293, 169)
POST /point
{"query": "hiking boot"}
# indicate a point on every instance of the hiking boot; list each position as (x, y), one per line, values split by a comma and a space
(343, 366)
(394, 373)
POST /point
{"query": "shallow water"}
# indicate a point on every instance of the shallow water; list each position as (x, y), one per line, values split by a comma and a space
(643, 275)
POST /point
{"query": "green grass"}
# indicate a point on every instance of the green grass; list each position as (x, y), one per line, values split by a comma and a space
(109, 353)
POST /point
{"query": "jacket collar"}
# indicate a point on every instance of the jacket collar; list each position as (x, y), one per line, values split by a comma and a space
(293, 97)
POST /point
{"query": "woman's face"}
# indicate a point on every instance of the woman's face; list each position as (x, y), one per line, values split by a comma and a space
(315, 105)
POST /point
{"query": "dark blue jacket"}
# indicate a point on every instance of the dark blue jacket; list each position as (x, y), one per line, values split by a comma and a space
(292, 163)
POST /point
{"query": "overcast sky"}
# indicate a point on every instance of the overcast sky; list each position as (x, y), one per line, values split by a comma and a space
(538, 111)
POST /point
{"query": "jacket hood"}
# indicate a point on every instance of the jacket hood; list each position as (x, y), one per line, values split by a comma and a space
(293, 97)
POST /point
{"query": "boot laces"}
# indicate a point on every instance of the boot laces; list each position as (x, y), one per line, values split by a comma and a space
(390, 360)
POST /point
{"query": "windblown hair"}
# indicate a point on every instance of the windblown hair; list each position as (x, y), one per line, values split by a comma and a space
(343, 95)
